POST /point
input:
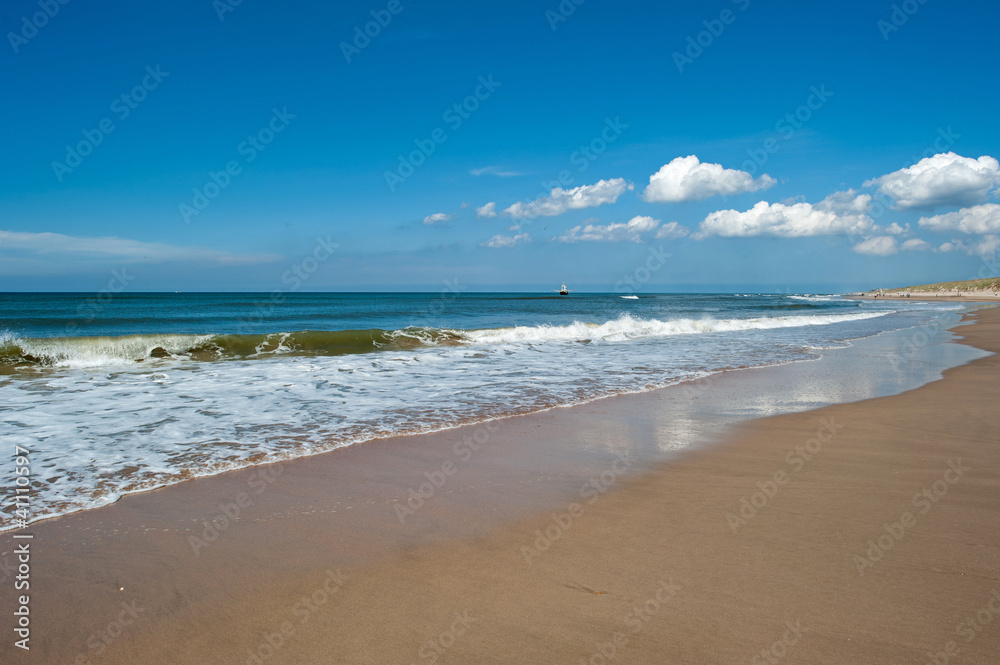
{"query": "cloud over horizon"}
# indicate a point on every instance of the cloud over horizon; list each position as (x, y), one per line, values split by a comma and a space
(562, 200)
(506, 241)
(979, 219)
(60, 247)
(487, 211)
(946, 179)
(631, 231)
(688, 179)
(672, 230)
(438, 218)
(841, 212)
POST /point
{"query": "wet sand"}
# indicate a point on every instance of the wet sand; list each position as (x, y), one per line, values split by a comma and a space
(860, 532)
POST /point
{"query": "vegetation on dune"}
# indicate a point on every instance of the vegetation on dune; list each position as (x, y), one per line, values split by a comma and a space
(989, 284)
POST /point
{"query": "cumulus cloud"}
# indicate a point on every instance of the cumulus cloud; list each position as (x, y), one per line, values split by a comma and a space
(842, 212)
(985, 247)
(438, 218)
(489, 210)
(878, 246)
(979, 219)
(507, 241)
(672, 230)
(631, 230)
(58, 247)
(897, 230)
(562, 200)
(846, 202)
(688, 179)
(916, 245)
(946, 179)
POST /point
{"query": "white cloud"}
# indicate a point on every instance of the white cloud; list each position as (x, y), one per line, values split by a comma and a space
(631, 230)
(977, 219)
(985, 247)
(846, 202)
(438, 218)
(495, 170)
(897, 230)
(506, 241)
(878, 246)
(688, 179)
(672, 230)
(916, 245)
(946, 179)
(841, 212)
(76, 248)
(489, 210)
(562, 200)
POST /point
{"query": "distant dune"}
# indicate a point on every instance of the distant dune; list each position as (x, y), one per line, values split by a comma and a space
(974, 285)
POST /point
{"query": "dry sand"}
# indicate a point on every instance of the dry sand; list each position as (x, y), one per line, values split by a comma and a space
(776, 540)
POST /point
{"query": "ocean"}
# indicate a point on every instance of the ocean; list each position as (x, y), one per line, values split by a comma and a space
(120, 393)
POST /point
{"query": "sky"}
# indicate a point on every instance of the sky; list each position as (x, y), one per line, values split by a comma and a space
(396, 145)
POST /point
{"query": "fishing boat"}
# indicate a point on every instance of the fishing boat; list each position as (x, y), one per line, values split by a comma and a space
(563, 291)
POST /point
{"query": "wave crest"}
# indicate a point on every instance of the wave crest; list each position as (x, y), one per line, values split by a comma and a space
(84, 352)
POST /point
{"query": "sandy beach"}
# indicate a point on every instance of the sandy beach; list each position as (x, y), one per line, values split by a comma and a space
(858, 532)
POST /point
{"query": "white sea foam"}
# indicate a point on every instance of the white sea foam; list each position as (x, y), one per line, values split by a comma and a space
(626, 328)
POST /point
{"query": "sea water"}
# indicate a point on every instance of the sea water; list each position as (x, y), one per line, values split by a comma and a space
(119, 394)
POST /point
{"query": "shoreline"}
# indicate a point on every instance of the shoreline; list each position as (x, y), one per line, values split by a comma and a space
(488, 423)
(275, 549)
(930, 297)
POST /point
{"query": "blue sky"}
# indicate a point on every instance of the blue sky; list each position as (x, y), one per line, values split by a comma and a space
(829, 147)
